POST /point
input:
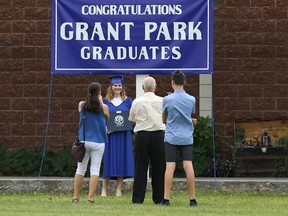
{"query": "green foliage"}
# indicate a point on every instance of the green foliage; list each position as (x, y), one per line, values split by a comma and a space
(203, 146)
(27, 162)
(281, 141)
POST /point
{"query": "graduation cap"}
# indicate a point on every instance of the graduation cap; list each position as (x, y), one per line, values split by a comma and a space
(116, 80)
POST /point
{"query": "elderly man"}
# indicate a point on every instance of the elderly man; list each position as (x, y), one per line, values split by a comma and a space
(146, 113)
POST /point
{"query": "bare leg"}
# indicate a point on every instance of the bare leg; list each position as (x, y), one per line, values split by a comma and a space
(190, 178)
(119, 186)
(78, 181)
(92, 187)
(169, 173)
(104, 187)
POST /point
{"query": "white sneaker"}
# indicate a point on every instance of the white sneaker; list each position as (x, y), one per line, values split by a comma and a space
(103, 193)
(118, 193)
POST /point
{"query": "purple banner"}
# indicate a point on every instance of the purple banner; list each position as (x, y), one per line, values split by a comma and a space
(132, 36)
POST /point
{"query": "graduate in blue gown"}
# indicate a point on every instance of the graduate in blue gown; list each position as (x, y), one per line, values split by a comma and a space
(118, 154)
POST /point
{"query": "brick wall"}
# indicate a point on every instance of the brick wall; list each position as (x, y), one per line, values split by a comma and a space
(250, 78)
(251, 62)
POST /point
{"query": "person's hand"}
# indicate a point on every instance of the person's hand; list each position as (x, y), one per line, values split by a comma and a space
(109, 132)
(194, 120)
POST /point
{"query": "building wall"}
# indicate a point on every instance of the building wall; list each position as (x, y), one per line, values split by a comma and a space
(250, 78)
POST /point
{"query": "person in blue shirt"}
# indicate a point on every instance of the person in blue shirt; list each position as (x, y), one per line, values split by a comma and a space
(177, 112)
(96, 114)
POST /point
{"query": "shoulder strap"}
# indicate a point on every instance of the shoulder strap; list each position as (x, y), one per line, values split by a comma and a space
(84, 117)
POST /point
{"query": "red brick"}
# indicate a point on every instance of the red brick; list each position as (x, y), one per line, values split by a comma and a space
(275, 114)
(11, 14)
(5, 3)
(69, 104)
(275, 91)
(250, 13)
(225, 65)
(250, 64)
(238, 103)
(12, 142)
(69, 129)
(22, 104)
(62, 117)
(11, 65)
(33, 141)
(43, 104)
(44, 26)
(225, 116)
(237, 52)
(282, 2)
(44, 3)
(219, 51)
(37, 13)
(248, 38)
(225, 38)
(282, 25)
(274, 39)
(248, 115)
(5, 130)
(5, 52)
(21, 26)
(282, 52)
(219, 103)
(239, 77)
(263, 77)
(23, 129)
(11, 39)
(53, 129)
(23, 3)
(38, 39)
(226, 13)
(5, 26)
(225, 90)
(262, 52)
(62, 91)
(275, 13)
(23, 52)
(263, 26)
(263, 104)
(282, 77)
(237, 26)
(43, 52)
(35, 91)
(282, 103)
(23, 78)
(37, 116)
(4, 104)
(250, 91)
(37, 65)
(11, 117)
(262, 3)
(11, 91)
(5, 78)
(58, 143)
(237, 3)
(276, 64)
(219, 25)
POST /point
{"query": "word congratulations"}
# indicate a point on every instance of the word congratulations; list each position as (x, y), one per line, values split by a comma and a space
(131, 9)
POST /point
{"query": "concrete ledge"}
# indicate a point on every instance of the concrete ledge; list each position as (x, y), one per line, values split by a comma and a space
(65, 185)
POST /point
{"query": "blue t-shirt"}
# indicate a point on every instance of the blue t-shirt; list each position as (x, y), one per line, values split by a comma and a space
(179, 108)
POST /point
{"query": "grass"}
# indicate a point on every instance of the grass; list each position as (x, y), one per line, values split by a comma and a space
(209, 203)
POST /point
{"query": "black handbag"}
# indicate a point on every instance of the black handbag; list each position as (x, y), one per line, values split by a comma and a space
(78, 148)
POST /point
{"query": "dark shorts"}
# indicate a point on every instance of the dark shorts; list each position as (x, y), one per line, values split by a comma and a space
(171, 152)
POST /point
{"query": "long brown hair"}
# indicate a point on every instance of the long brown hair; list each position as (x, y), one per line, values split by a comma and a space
(110, 94)
(93, 103)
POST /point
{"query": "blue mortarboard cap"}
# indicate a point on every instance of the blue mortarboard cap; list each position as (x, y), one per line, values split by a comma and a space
(116, 80)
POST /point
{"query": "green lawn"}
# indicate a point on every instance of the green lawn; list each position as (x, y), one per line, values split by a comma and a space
(209, 203)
